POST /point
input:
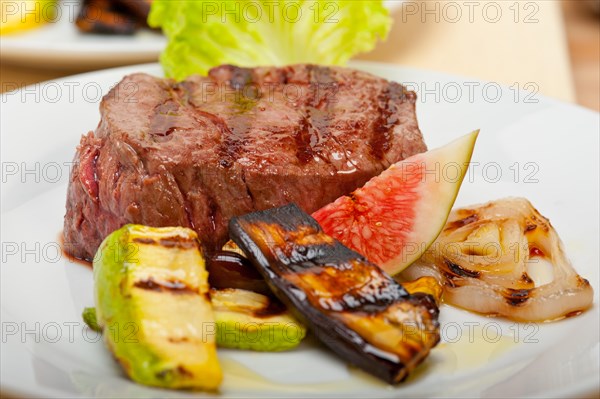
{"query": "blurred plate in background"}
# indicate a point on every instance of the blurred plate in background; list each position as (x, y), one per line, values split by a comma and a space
(60, 45)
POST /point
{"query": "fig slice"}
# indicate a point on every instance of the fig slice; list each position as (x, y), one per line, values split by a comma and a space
(349, 303)
(396, 216)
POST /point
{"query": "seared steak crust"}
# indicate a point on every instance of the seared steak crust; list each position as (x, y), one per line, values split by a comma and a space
(198, 152)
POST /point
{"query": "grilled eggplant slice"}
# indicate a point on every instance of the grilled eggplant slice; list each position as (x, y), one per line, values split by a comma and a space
(248, 320)
(350, 304)
(153, 305)
(228, 269)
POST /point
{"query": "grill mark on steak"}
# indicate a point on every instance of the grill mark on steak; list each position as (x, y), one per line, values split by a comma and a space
(324, 108)
(303, 140)
(387, 118)
(239, 122)
(233, 127)
(248, 191)
(315, 123)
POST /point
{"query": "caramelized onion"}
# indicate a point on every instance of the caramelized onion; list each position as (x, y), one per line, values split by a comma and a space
(504, 258)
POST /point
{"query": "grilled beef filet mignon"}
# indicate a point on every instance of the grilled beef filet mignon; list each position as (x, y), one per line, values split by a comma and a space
(198, 152)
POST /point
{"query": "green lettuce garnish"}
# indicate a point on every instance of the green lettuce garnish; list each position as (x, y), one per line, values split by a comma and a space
(205, 33)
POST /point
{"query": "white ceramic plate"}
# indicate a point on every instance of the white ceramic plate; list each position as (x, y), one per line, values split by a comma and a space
(61, 45)
(529, 146)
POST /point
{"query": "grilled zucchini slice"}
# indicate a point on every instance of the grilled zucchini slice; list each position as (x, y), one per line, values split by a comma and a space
(153, 305)
(249, 320)
(245, 320)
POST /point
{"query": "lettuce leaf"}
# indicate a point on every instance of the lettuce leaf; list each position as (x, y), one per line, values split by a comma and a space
(205, 33)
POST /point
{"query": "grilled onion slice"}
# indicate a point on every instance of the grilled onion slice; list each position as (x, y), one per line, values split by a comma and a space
(504, 258)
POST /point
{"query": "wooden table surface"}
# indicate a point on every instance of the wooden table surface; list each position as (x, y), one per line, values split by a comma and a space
(508, 42)
(583, 35)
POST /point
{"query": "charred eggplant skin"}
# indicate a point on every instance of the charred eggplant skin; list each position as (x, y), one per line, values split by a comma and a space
(227, 269)
(350, 304)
